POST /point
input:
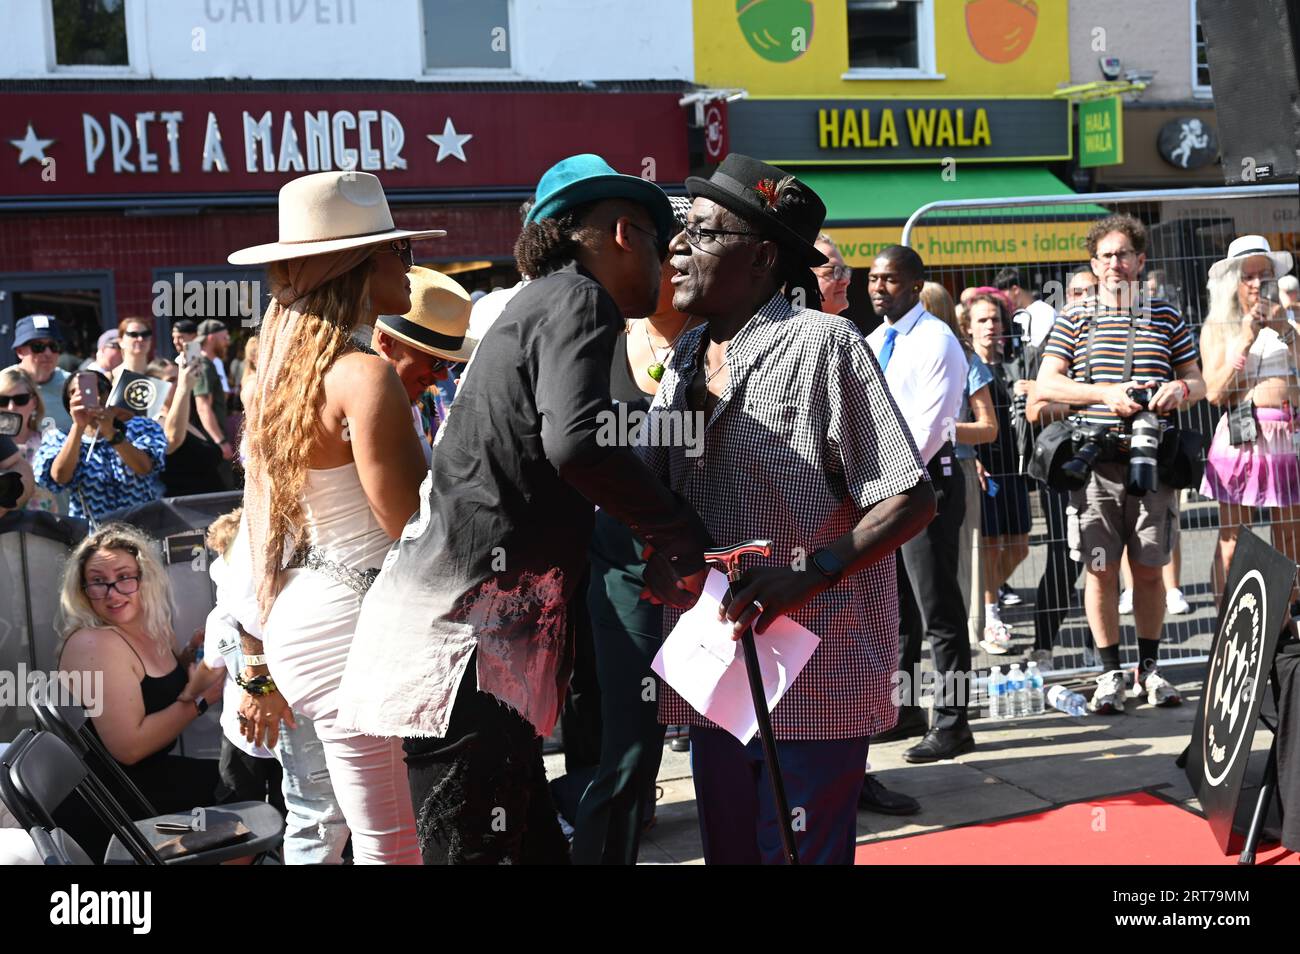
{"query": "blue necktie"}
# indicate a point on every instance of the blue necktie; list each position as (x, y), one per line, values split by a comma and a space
(887, 349)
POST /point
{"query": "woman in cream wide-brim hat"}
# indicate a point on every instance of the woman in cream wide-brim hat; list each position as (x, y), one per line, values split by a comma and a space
(333, 469)
(1249, 351)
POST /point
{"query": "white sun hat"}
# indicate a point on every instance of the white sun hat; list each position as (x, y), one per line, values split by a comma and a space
(329, 212)
(1248, 246)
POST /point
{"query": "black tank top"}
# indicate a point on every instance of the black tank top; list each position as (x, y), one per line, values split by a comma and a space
(158, 692)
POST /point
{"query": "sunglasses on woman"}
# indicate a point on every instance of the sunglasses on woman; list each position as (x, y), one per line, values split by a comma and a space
(15, 400)
(126, 586)
(402, 248)
(138, 334)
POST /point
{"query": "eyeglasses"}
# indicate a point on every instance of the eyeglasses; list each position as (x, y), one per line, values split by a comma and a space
(15, 400)
(40, 347)
(126, 586)
(838, 273)
(660, 247)
(138, 334)
(402, 248)
(114, 344)
(1123, 255)
(706, 239)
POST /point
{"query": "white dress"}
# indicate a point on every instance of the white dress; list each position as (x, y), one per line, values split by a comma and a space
(307, 637)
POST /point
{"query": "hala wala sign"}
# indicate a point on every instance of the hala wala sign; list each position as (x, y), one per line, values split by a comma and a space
(1101, 132)
(57, 144)
(863, 131)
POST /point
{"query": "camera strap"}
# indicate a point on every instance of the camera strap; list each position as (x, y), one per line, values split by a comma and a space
(1128, 348)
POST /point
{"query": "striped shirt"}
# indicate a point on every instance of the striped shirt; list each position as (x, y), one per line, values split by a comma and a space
(1162, 344)
(805, 439)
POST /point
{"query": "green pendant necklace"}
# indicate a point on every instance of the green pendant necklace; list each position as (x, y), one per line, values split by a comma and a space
(656, 368)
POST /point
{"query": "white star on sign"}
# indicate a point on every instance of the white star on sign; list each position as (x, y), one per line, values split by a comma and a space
(31, 146)
(450, 143)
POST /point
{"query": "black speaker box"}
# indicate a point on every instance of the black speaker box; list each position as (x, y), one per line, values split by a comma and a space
(1254, 53)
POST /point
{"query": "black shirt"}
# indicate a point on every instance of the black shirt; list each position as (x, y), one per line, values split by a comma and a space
(486, 568)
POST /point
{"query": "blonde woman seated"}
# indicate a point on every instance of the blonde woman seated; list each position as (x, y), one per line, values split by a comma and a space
(116, 607)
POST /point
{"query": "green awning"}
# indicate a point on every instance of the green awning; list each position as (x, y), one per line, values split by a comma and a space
(879, 196)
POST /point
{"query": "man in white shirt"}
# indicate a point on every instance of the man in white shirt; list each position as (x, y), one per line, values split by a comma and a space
(925, 368)
(1033, 315)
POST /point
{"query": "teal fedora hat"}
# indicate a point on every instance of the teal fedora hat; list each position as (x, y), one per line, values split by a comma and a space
(589, 178)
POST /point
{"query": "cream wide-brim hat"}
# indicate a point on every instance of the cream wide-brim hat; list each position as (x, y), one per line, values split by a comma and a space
(439, 317)
(329, 212)
(1248, 246)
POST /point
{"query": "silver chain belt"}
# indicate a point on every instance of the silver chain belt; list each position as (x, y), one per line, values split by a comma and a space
(314, 558)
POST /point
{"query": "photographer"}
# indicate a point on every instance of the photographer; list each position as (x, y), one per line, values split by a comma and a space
(15, 475)
(1112, 357)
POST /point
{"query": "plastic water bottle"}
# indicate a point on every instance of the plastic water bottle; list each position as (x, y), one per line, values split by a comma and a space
(1034, 689)
(998, 699)
(1016, 692)
(1069, 702)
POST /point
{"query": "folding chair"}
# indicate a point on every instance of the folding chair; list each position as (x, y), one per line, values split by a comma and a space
(41, 770)
(71, 725)
(58, 848)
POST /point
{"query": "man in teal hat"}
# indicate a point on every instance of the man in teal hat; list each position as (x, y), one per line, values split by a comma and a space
(463, 647)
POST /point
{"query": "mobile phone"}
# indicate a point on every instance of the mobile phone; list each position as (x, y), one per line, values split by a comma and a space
(88, 385)
(1268, 291)
(993, 486)
(11, 424)
(193, 351)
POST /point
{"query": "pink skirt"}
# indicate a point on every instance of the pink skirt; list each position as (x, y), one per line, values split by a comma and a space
(1264, 473)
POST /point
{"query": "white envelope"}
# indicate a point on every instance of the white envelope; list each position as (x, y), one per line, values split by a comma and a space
(706, 666)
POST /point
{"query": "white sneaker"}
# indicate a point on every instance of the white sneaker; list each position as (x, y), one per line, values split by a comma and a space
(1175, 603)
(997, 638)
(1126, 603)
(1008, 597)
(1159, 691)
(1109, 697)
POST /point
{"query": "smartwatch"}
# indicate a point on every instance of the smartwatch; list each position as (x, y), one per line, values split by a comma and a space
(117, 438)
(201, 704)
(828, 565)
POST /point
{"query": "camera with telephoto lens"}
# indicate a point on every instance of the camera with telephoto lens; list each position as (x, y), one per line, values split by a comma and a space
(11, 482)
(1090, 443)
(1144, 445)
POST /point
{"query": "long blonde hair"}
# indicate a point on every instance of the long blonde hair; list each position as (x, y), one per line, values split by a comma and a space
(155, 593)
(304, 332)
(1224, 317)
(15, 374)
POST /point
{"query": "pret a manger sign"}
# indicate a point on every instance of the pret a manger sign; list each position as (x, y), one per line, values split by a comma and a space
(173, 142)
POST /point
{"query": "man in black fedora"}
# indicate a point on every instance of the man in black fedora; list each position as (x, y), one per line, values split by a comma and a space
(804, 446)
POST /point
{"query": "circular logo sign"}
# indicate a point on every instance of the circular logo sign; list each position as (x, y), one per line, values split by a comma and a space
(139, 395)
(713, 132)
(1187, 142)
(1234, 678)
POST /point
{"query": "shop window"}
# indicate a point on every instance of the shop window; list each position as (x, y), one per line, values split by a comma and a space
(1200, 56)
(90, 33)
(891, 39)
(82, 303)
(466, 35)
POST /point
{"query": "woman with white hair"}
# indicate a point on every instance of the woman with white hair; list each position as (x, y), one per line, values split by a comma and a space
(1250, 351)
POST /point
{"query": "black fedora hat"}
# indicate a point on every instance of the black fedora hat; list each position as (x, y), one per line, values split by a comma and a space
(748, 187)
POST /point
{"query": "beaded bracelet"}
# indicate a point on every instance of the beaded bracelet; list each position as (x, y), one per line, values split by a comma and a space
(262, 685)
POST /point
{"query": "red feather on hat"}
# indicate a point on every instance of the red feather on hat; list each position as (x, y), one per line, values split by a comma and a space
(766, 189)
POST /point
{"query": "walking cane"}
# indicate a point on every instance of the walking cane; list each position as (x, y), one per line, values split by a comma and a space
(728, 559)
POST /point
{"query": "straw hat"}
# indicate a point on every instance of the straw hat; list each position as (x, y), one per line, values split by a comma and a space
(329, 212)
(1247, 246)
(438, 319)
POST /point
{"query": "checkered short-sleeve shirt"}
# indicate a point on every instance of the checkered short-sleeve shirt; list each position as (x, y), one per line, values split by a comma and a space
(804, 440)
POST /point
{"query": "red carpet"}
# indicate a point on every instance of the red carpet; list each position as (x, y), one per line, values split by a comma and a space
(1135, 829)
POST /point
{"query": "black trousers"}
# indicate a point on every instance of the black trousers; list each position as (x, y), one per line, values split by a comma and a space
(930, 602)
(246, 778)
(1052, 602)
(480, 792)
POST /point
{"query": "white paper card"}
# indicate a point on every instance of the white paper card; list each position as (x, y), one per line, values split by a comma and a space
(706, 666)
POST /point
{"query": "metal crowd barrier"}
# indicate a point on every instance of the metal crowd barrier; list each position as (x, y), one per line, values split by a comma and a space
(1043, 238)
